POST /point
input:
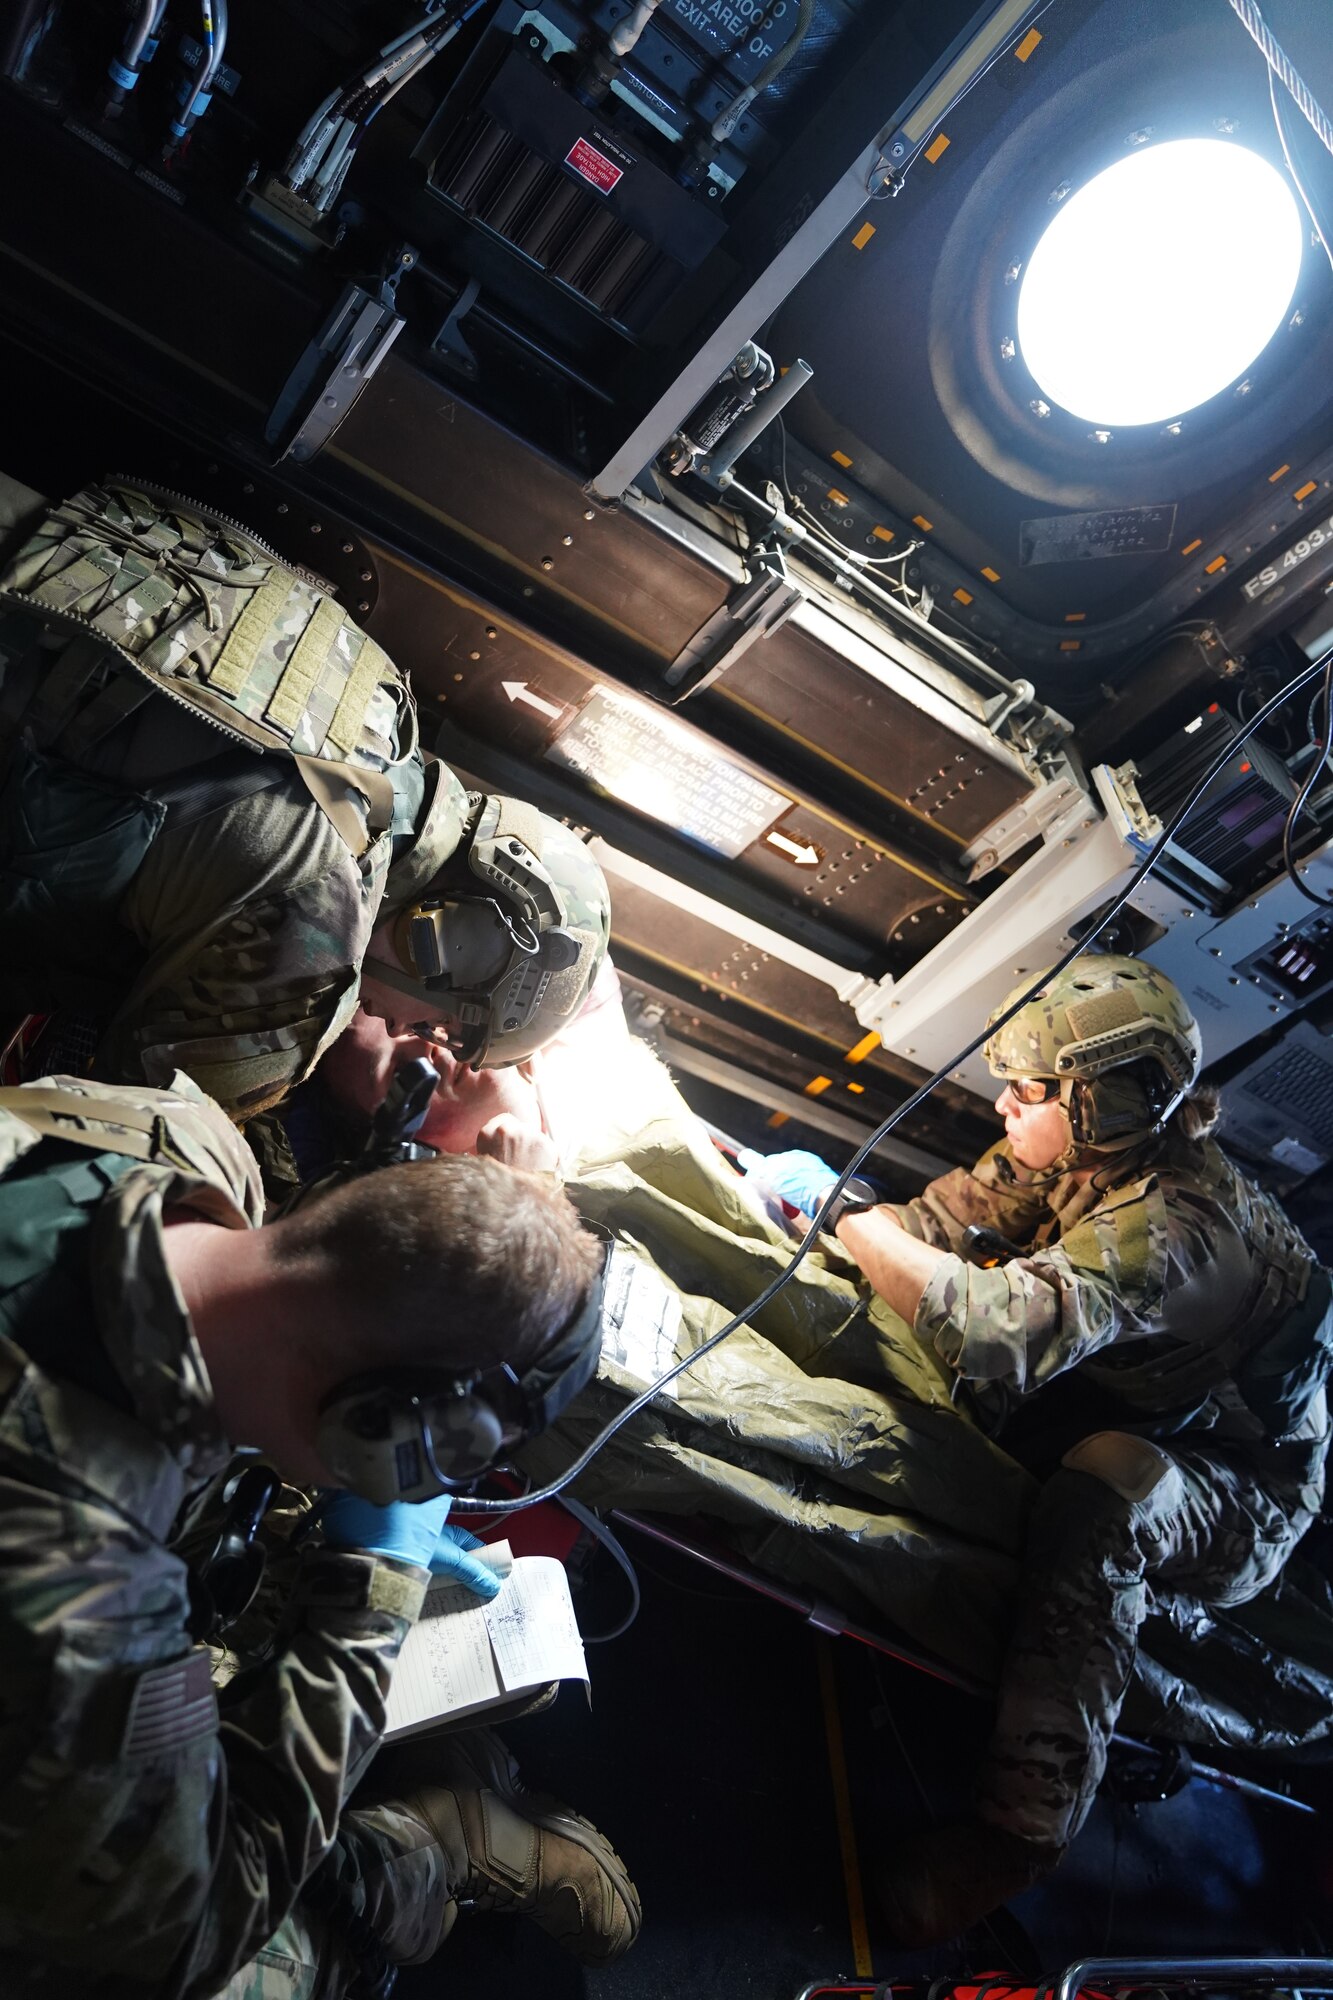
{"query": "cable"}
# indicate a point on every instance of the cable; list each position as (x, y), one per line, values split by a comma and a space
(1321, 744)
(1323, 665)
(611, 1543)
(326, 146)
(725, 123)
(1315, 223)
(1280, 63)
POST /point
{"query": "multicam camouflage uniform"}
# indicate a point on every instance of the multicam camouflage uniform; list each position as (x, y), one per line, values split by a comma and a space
(150, 1846)
(216, 924)
(1200, 1322)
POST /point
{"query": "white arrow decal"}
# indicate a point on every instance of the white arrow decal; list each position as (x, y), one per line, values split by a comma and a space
(520, 691)
(803, 857)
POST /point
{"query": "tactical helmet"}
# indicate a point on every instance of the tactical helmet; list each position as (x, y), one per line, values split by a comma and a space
(507, 937)
(1104, 1014)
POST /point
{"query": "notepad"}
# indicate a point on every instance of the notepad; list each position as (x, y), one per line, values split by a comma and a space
(463, 1656)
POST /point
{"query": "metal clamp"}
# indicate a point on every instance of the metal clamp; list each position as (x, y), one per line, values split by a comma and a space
(753, 610)
(338, 363)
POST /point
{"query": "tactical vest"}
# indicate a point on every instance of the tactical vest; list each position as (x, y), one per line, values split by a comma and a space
(159, 596)
(1276, 1346)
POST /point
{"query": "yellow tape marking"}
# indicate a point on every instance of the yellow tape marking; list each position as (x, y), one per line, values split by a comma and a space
(1273, 477)
(840, 458)
(882, 534)
(778, 1118)
(865, 1047)
(963, 596)
(920, 521)
(1071, 645)
(1075, 617)
(1304, 492)
(859, 1088)
(842, 1808)
(1217, 563)
(937, 147)
(863, 235)
(1028, 45)
(817, 1086)
(991, 575)
(1189, 551)
(838, 499)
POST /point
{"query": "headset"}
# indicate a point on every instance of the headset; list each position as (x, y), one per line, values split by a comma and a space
(507, 938)
(414, 1433)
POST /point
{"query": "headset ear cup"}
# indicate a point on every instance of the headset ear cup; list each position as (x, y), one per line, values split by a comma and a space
(466, 1436)
(387, 1443)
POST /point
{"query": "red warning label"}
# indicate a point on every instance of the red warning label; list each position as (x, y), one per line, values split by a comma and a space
(593, 166)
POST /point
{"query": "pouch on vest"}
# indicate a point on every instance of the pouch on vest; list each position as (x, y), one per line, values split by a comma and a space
(1280, 1379)
(70, 844)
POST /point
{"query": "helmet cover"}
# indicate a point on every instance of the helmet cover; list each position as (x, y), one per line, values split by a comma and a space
(1102, 1013)
(508, 937)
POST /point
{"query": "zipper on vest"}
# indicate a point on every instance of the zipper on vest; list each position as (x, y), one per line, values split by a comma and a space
(192, 506)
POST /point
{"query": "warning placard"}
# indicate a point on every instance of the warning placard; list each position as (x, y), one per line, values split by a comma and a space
(594, 167)
(660, 767)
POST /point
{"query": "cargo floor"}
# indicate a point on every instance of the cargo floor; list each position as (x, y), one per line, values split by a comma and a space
(749, 1768)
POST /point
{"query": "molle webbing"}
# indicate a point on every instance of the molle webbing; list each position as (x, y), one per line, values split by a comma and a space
(211, 618)
(1165, 1372)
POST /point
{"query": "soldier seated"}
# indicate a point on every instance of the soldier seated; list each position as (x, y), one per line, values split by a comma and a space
(408, 1324)
(1198, 1322)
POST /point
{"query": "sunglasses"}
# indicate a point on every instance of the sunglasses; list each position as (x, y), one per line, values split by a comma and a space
(1033, 1089)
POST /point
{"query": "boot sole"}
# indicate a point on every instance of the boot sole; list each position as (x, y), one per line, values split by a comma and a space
(495, 1769)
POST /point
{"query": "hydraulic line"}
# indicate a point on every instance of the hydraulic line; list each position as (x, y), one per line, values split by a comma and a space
(470, 1505)
(141, 31)
(627, 32)
(725, 123)
(326, 145)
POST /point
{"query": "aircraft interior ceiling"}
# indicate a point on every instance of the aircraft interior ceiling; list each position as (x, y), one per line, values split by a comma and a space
(684, 391)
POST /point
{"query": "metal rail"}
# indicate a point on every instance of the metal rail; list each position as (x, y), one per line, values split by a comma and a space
(1304, 1975)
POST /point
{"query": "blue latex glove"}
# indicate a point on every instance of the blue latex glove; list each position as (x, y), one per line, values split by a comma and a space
(452, 1559)
(409, 1531)
(802, 1179)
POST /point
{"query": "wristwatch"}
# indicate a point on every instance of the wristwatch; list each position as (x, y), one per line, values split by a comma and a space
(856, 1197)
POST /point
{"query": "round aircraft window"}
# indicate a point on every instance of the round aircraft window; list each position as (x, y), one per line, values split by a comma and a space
(1159, 282)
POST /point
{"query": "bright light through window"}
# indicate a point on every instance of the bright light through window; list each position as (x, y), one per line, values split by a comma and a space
(1159, 282)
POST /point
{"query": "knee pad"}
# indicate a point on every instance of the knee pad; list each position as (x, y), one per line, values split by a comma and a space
(1129, 1465)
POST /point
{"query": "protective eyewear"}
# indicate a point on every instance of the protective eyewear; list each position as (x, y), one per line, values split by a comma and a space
(1032, 1089)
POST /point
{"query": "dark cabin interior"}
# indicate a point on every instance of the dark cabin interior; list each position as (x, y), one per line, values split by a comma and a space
(684, 445)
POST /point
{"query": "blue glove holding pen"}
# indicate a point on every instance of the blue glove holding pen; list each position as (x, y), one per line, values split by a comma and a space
(410, 1532)
(802, 1179)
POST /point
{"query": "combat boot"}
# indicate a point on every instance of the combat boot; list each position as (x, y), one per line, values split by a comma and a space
(943, 1881)
(509, 1851)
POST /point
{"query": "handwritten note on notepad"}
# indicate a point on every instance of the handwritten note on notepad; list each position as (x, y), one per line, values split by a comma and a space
(464, 1656)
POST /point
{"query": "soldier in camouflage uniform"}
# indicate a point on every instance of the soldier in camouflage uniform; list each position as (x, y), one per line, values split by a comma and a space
(1198, 1323)
(151, 1846)
(213, 810)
